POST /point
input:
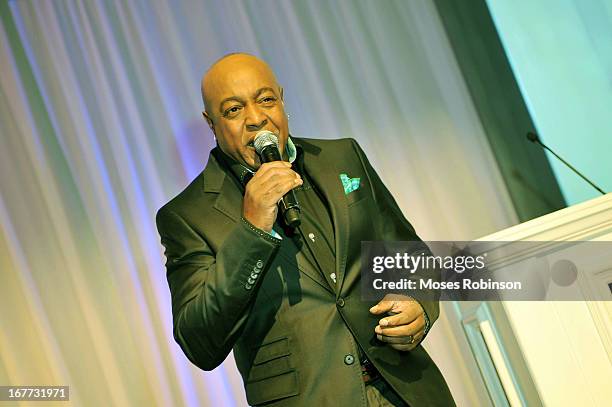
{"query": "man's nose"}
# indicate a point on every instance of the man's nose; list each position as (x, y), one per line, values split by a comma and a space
(255, 120)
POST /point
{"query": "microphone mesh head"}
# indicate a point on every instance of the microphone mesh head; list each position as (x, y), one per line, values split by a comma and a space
(531, 136)
(263, 139)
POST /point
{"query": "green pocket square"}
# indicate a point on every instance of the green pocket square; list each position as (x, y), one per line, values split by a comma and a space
(349, 184)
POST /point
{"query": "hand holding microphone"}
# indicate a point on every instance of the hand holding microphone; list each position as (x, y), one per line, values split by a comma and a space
(271, 187)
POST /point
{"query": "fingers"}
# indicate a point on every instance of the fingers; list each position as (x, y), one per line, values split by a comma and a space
(387, 304)
(403, 326)
(404, 342)
(273, 174)
(411, 328)
(408, 346)
(381, 307)
(273, 181)
(278, 188)
(407, 312)
(267, 167)
(401, 340)
(396, 303)
(265, 189)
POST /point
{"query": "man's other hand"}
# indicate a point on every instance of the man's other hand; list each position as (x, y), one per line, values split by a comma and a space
(269, 184)
(403, 327)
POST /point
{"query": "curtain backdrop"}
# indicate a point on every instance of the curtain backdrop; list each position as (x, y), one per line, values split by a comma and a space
(100, 125)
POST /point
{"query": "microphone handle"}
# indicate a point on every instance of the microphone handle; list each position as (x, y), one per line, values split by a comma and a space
(289, 206)
(270, 153)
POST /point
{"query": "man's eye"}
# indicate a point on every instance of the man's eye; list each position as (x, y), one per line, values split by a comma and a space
(232, 110)
(268, 99)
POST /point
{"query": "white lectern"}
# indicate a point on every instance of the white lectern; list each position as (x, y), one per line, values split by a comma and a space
(566, 345)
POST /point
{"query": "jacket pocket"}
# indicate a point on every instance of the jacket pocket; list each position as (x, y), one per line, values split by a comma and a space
(356, 196)
(272, 388)
(271, 350)
(272, 377)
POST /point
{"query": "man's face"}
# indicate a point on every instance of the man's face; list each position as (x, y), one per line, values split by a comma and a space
(243, 98)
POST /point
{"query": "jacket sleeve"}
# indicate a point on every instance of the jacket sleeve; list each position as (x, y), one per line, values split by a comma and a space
(393, 226)
(212, 293)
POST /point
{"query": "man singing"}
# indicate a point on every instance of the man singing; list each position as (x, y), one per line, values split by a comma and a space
(287, 300)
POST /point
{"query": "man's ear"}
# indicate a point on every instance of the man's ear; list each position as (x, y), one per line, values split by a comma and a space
(209, 121)
(282, 96)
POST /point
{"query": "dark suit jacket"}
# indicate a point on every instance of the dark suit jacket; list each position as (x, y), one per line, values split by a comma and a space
(294, 339)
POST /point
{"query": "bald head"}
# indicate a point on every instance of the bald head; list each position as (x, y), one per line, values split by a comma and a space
(226, 73)
(242, 97)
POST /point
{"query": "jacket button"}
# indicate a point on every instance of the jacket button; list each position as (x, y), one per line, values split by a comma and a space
(248, 286)
(349, 359)
(340, 302)
(259, 264)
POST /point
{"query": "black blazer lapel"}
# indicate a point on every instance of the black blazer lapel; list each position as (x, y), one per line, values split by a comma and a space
(291, 255)
(216, 181)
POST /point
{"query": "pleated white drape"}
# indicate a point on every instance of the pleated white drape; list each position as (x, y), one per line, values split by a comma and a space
(100, 125)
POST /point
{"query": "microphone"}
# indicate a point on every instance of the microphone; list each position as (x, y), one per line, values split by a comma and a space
(531, 136)
(266, 145)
